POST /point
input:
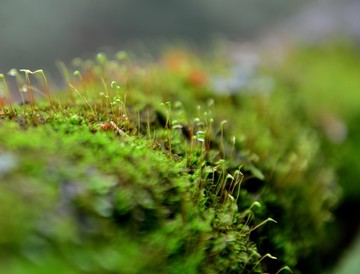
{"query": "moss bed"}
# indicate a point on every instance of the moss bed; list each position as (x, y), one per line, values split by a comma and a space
(148, 168)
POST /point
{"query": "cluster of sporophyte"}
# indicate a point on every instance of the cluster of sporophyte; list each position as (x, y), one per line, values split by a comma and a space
(146, 169)
(326, 75)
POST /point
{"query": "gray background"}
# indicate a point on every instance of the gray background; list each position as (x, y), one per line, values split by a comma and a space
(34, 34)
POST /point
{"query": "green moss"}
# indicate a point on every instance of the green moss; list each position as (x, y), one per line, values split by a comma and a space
(150, 170)
(83, 191)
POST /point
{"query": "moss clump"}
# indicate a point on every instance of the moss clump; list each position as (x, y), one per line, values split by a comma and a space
(148, 169)
(90, 200)
(325, 76)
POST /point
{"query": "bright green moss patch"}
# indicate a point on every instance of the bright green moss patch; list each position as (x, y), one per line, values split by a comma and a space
(80, 191)
(151, 169)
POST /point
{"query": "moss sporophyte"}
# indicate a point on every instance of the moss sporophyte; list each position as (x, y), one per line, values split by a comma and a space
(140, 170)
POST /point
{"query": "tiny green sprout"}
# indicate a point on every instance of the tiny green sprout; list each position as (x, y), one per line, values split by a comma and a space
(168, 110)
(40, 71)
(24, 88)
(284, 268)
(77, 73)
(6, 90)
(262, 223)
(255, 204)
(267, 255)
(178, 105)
(176, 125)
(231, 198)
(221, 162)
(238, 173)
(257, 173)
(27, 72)
(229, 176)
(62, 67)
(2, 76)
(101, 58)
(210, 102)
(222, 148)
(13, 72)
(115, 85)
(200, 136)
(121, 55)
(233, 140)
(82, 97)
(117, 100)
(223, 123)
(239, 177)
(46, 85)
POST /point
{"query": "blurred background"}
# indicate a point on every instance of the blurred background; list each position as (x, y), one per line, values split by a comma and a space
(34, 34)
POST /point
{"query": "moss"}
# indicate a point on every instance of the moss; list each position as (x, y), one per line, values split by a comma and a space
(326, 77)
(148, 169)
(83, 191)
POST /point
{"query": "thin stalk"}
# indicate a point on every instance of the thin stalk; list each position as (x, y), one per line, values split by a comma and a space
(7, 92)
(267, 255)
(47, 88)
(82, 97)
(222, 147)
(29, 89)
(19, 80)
